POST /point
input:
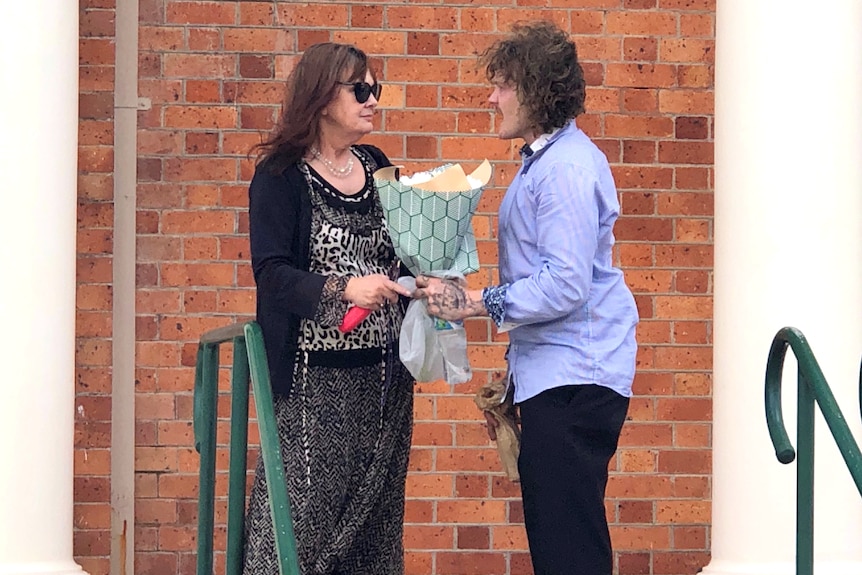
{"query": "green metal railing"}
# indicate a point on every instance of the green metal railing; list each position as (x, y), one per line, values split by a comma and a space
(812, 388)
(249, 361)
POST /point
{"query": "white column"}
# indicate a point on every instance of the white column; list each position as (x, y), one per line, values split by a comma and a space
(788, 235)
(38, 173)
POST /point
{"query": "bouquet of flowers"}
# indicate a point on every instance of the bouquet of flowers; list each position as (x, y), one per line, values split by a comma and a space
(429, 216)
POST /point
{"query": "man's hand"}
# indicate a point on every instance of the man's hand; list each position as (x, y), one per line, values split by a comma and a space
(449, 299)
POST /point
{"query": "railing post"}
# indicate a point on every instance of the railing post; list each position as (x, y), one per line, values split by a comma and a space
(812, 388)
(285, 540)
(238, 456)
(249, 363)
(805, 477)
(206, 393)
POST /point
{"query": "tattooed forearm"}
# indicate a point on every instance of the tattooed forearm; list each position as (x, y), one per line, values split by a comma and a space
(454, 302)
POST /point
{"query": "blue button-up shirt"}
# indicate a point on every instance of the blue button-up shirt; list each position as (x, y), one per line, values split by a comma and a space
(572, 317)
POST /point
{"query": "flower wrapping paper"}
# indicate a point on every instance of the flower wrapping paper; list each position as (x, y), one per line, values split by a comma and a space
(431, 222)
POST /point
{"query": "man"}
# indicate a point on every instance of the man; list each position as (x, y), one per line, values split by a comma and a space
(570, 316)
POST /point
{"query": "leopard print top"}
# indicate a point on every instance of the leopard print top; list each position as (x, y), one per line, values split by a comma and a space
(348, 239)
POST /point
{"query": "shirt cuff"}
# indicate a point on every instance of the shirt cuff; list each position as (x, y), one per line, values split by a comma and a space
(494, 299)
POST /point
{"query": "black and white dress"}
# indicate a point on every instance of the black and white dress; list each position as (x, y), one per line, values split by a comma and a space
(345, 427)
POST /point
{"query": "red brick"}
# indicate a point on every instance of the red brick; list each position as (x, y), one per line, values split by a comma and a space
(92, 543)
(260, 40)
(635, 563)
(640, 100)
(640, 49)
(469, 537)
(476, 511)
(631, 537)
(694, 332)
(158, 38)
(688, 102)
(673, 563)
(695, 76)
(692, 435)
(641, 75)
(422, 96)
(429, 537)
(306, 38)
(201, 13)
(691, 128)
(257, 118)
(96, 51)
(473, 563)
(377, 42)
(687, 50)
(199, 65)
(692, 281)
(204, 39)
(687, 204)
(200, 169)
(366, 16)
(251, 66)
(640, 23)
(639, 152)
(696, 25)
(698, 5)
(430, 18)
(643, 177)
(98, 106)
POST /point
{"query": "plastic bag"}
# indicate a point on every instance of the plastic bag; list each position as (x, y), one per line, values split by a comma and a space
(431, 348)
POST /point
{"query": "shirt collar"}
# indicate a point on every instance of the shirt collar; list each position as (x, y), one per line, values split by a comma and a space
(528, 150)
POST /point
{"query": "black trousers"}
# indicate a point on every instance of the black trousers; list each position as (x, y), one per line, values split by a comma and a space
(568, 436)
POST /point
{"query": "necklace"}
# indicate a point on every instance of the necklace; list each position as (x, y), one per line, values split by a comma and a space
(342, 172)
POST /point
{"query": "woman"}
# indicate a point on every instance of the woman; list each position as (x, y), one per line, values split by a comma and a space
(343, 401)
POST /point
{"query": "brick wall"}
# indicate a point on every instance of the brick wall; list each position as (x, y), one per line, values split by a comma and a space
(213, 72)
(92, 511)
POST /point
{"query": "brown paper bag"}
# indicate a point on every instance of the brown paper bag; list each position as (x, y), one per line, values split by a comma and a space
(490, 399)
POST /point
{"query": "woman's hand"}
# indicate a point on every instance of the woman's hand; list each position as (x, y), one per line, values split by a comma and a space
(372, 291)
(449, 299)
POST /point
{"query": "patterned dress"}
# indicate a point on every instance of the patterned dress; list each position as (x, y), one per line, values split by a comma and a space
(345, 427)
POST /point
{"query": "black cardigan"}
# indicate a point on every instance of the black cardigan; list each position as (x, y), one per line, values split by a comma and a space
(280, 230)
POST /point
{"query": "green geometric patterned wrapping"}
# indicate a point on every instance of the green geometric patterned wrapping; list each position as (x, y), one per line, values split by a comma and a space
(431, 231)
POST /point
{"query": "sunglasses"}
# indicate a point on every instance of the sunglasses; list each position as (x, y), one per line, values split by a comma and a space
(364, 90)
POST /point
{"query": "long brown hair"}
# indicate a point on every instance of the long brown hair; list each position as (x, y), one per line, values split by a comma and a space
(310, 87)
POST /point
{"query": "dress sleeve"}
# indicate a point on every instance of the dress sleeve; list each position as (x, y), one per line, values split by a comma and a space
(274, 220)
(332, 308)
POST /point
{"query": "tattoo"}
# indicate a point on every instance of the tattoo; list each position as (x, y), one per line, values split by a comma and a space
(454, 303)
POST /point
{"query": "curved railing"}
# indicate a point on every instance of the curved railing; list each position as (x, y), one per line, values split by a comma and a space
(812, 389)
(249, 361)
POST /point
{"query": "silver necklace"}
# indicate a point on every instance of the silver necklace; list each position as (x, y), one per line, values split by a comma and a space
(332, 168)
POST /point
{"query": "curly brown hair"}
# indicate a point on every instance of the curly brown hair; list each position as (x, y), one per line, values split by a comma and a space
(541, 61)
(309, 89)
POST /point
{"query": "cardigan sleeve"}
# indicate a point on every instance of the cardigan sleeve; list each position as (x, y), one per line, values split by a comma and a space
(279, 270)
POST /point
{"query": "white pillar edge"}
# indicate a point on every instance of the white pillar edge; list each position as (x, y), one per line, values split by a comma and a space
(123, 321)
(38, 177)
(46, 568)
(788, 223)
